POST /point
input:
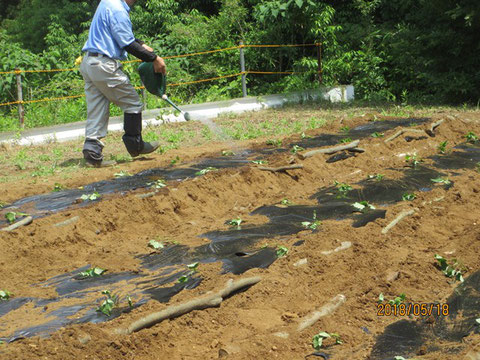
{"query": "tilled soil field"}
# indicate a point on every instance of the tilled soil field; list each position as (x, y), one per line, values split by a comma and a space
(316, 253)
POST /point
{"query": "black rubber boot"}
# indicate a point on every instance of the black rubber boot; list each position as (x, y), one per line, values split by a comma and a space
(132, 138)
(92, 152)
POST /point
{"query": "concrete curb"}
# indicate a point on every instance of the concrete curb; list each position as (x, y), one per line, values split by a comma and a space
(71, 131)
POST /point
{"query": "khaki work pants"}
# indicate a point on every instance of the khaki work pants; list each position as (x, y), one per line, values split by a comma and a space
(105, 82)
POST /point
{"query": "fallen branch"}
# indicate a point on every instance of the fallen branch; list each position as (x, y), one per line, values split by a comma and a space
(146, 196)
(403, 131)
(325, 310)
(174, 311)
(431, 132)
(329, 151)
(281, 168)
(24, 222)
(399, 218)
(67, 222)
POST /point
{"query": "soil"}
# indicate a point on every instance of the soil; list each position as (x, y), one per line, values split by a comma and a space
(252, 324)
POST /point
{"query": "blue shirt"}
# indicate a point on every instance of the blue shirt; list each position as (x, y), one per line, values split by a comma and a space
(111, 30)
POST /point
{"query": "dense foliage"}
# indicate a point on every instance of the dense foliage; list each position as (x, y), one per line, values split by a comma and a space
(395, 50)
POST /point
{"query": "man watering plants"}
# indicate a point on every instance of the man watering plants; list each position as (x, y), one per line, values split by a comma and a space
(109, 40)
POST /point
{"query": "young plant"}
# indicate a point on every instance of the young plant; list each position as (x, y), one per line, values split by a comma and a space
(286, 202)
(5, 295)
(377, 177)
(204, 171)
(91, 197)
(259, 162)
(58, 187)
(409, 197)
(363, 206)
(345, 129)
(3, 204)
(312, 225)
(397, 301)
(193, 269)
(274, 142)
(93, 272)
(108, 304)
(440, 180)
(378, 135)
(228, 153)
(282, 251)
(175, 161)
(451, 268)
(471, 137)
(157, 184)
(343, 189)
(317, 341)
(346, 141)
(156, 245)
(442, 147)
(12, 216)
(235, 222)
(122, 174)
(296, 149)
(412, 160)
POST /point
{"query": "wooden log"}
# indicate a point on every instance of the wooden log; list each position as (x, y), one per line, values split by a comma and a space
(68, 222)
(24, 222)
(329, 151)
(399, 218)
(281, 168)
(174, 311)
(403, 131)
(325, 310)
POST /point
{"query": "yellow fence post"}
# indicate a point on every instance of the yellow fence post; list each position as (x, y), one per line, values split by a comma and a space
(21, 111)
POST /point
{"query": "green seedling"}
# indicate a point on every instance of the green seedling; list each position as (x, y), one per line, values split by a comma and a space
(305, 136)
(108, 304)
(183, 279)
(93, 272)
(228, 153)
(286, 202)
(193, 266)
(156, 245)
(259, 162)
(397, 301)
(477, 321)
(91, 197)
(377, 177)
(471, 137)
(122, 174)
(235, 222)
(440, 180)
(282, 251)
(318, 339)
(312, 225)
(363, 206)
(274, 142)
(58, 187)
(345, 129)
(12, 216)
(206, 170)
(451, 268)
(296, 149)
(175, 161)
(193, 269)
(346, 141)
(343, 189)
(381, 298)
(129, 301)
(3, 204)
(378, 135)
(412, 160)
(157, 184)
(409, 197)
(5, 295)
(442, 148)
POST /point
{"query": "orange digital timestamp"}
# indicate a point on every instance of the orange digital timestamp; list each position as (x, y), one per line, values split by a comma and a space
(415, 309)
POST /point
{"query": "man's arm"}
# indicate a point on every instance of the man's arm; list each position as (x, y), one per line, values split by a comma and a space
(145, 53)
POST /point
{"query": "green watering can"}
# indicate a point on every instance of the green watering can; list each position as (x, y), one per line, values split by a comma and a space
(156, 84)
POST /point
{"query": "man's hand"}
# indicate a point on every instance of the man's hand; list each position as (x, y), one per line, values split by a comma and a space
(147, 47)
(159, 65)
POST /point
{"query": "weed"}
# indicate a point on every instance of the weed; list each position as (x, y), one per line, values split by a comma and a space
(121, 158)
(157, 184)
(91, 197)
(259, 162)
(471, 137)
(343, 189)
(58, 187)
(274, 142)
(93, 272)
(377, 135)
(345, 129)
(296, 149)
(150, 136)
(109, 303)
(363, 206)
(5, 295)
(122, 174)
(12, 216)
(440, 180)
(442, 147)
(156, 245)
(318, 339)
(3, 204)
(312, 225)
(282, 251)
(235, 222)
(451, 268)
(175, 161)
(377, 177)
(206, 170)
(345, 141)
(412, 160)
(305, 136)
(408, 197)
